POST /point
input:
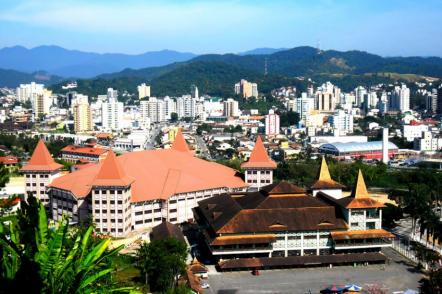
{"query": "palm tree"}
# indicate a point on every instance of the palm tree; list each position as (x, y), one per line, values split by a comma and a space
(50, 259)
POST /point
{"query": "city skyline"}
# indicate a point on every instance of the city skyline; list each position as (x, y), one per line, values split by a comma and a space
(201, 27)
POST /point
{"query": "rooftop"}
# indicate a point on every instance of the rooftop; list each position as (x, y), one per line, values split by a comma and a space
(356, 146)
(259, 157)
(85, 150)
(156, 174)
(41, 160)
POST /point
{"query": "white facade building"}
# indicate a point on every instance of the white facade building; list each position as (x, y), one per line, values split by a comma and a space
(143, 91)
(230, 108)
(343, 122)
(272, 123)
(112, 114)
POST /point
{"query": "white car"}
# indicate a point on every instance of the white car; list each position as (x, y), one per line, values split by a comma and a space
(205, 285)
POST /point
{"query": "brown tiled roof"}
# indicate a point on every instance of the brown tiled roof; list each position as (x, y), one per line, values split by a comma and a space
(167, 230)
(218, 210)
(324, 179)
(361, 234)
(351, 202)
(179, 144)
(259, 157)
(293, 261)
(287, 219)
(111, 173)
(243, 239)
(282, 187)
(158, 174)
(41, 160)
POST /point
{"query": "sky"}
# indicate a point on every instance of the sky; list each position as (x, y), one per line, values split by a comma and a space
(384, 27)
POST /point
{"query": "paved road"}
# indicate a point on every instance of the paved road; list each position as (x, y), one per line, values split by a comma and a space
(398, 275)
(204, 151)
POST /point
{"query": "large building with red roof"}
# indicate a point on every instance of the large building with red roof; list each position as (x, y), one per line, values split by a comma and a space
(282, 225)
(136, 190)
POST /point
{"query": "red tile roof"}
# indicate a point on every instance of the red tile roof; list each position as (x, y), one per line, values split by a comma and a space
(8, 159)
(41, 160)
(179, 144)
(84, 150)
(111, 173)
(259, 157)
(157, 174)
(361, 234)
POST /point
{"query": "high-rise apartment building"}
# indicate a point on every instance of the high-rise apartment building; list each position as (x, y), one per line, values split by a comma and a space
(230, 108)
(400, 98)
(143, 91)
(431, 101)
(439, 101)
(28, 92)
(194, 91)
(360, 93)
(82, 114)
(112, 94)
(246, 89)
(41, 103)
(303, 105)
(112, 114)
(327, 97)
(272, 123)
(186, 106)
(342, 122)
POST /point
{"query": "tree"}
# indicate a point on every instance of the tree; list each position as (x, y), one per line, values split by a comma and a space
(289, 118)
(174, 117)
(161, 261)
(52, 260)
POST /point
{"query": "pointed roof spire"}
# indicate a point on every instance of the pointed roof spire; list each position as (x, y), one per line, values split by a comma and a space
(324, 179)
(41, 159)
(259, 157)
(324, 174)
(111, 173)
(360, 191)
(179, 144)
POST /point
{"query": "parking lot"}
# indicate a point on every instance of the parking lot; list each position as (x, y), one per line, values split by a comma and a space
(396, 276)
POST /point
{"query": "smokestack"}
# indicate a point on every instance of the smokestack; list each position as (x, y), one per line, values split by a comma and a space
(385, 157)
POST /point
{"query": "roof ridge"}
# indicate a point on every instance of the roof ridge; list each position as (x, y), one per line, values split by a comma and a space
(111, 173)
(41, 159)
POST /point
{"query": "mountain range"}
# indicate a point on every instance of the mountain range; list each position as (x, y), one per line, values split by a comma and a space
(73, 63)
(216, 73)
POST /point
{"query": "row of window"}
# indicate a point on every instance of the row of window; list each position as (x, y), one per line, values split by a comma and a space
(34, 184)
(148, 211)
(262, 181)
(35, 176)
(146, 221)
(120, 202)
(254, 172)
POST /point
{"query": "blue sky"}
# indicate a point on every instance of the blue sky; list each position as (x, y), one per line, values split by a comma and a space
(385, 27)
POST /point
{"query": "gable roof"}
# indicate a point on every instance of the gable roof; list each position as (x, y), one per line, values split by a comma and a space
(179, 144)
(41, 160)
(324, 179)
(259, 157)
(111, 173)
(282, 187)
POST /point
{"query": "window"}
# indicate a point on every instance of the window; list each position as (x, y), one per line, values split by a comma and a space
(120, 211)
(104, 202)
(97, 220)
(120, 220)
(97, 201)
(371, 225)
(120, 230)
(112, 192)
(173, 210)
(172, 201)
(112, 202)
(138, 222)
(354, 224)
(97, 211)
(157, 219)
(147, 221)
(173, 219)
(138, 212)
(112, 211)
(120, 202)
(157, 210)
(119, 192)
